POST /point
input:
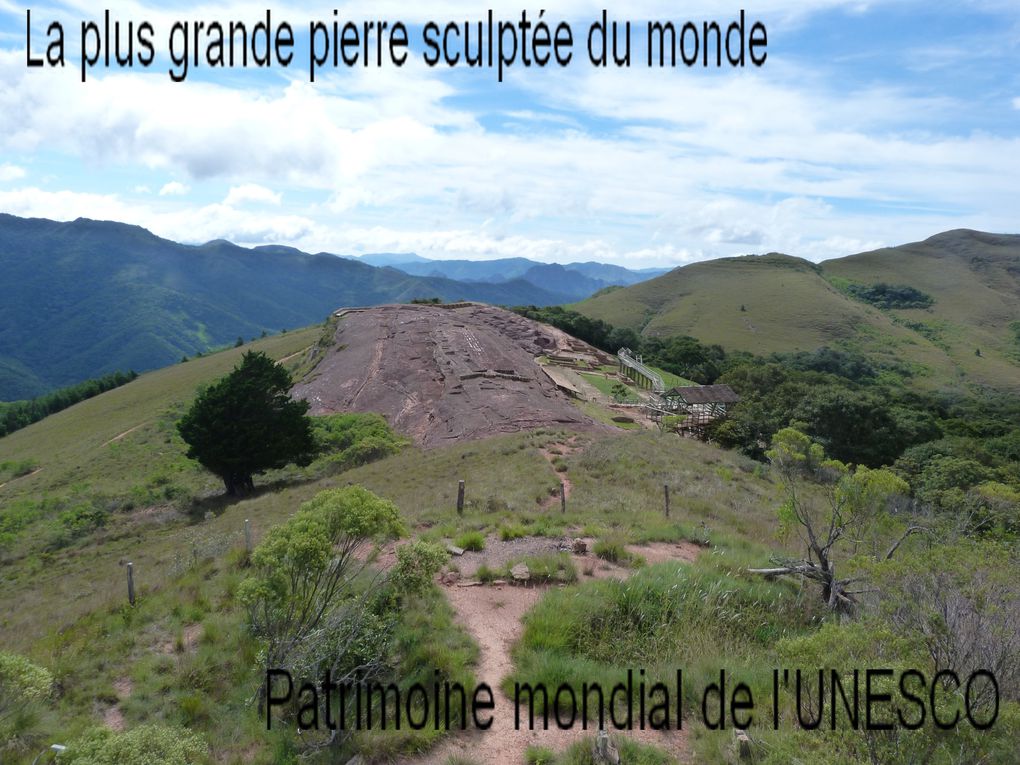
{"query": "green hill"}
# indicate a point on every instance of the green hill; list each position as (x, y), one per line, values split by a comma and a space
(86, 298)
(777, 303)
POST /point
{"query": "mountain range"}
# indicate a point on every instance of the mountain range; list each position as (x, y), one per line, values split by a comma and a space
(945, 310)
(87, 297)
(575, 281)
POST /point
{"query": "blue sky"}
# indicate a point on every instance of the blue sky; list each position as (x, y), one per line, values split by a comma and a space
(872, 123)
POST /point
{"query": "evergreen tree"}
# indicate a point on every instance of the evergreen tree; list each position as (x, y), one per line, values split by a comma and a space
(247, 423)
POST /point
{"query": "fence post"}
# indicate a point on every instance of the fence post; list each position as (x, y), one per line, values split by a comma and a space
(460, 498)
(563, 497)
(665, 489)
(131, 583)
(247, 535)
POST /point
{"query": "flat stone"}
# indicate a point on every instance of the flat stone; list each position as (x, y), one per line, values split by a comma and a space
(454, 550)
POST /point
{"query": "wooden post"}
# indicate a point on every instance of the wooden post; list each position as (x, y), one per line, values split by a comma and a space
(131, 583)
(460, 498)
(665, 489)
(563, 497)
(247, 535)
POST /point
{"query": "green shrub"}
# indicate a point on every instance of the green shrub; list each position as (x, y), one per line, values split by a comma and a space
(144, 745)
(22, 683)
(417, 564)
(355, 439)
(471, 540)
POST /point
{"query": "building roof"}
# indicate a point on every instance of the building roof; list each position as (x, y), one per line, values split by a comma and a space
(705, 394)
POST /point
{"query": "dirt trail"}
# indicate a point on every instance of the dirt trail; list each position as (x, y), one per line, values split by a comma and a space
(285, 359)
(21, 477)
(551, 452)
(493, 616)
(127, 432)
(113, 717)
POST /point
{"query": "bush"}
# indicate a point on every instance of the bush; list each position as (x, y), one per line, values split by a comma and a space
(21, 683)
(417, 563)
(473, 541)
(144, 745)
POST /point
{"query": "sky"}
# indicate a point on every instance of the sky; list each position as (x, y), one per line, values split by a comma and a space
(870, 124)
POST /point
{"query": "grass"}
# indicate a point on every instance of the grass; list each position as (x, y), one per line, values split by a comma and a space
(602, 384)
(614, 550)
(472, 541)
(793, 305)
(601, 414)
(512, 531)
(697, 617)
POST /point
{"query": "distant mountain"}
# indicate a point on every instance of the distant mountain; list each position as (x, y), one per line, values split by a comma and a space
(389, 258)
(575, 280)
(85, 298)
(966, 327)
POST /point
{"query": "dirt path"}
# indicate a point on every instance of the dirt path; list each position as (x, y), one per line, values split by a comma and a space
(493, 616)
(285, 359)
(551, 452)
(21, 477)
(127, 432)
(113, 717)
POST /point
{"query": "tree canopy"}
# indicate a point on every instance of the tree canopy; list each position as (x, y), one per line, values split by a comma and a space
(247, 423)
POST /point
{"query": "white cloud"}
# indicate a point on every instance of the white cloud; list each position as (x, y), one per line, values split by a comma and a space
(11, 173)
(142, 189)
(174, 189)
(640, 167)
(252, 193)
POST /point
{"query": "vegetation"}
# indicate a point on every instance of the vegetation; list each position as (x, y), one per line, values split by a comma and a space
(889, 296)
(247, 423)
(23, 688)
(473, 541)
(20, 414)
(305, 569)
(683, 357)
(139, 746)
(853, 513)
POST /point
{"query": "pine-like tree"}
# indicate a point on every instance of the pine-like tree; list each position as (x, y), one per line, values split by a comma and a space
(247, 423)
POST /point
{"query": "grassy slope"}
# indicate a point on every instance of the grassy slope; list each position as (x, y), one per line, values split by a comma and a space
(72, 450)
(183, 650)
(65, 608)
(975, 279)
(791, 305)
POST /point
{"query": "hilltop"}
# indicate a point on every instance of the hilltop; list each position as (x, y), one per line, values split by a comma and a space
(778, 303)
(86, 298)
(443, 374)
